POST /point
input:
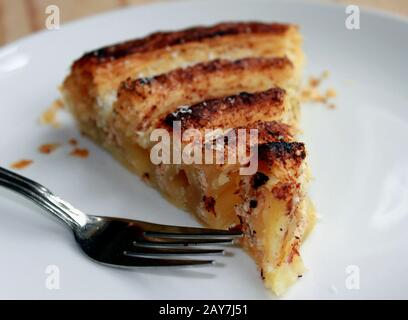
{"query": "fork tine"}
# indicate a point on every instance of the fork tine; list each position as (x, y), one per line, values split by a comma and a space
(133, 261)
(192, 235)
(149, 250)
(157, 230)
(152, 241)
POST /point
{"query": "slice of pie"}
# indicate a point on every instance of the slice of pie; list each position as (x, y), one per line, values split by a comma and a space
(228, 79)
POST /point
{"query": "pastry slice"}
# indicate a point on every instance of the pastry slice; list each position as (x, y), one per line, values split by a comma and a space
(229, 78)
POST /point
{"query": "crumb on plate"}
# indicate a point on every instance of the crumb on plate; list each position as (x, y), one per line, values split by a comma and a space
(73, 142)
(49, 117)
(48, 148)
(312, 93)
(80, 153)
(21, 164)
(331, 93)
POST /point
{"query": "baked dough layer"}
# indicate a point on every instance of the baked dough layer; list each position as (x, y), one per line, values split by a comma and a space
(230, 76)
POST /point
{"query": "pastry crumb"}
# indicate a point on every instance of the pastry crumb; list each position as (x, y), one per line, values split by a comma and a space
(48, 148)
(21, 164)
(80, 153)
(314, 82)
(331, 93)
(73, 142)
(49, 117)
(312, 93)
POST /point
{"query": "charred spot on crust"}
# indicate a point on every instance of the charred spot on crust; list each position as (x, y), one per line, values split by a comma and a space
(253, 204)
(209, 204)
(161, 40)
(145, 80)
(201, 114)
(127, 84)
(259, 179)
(281, 151)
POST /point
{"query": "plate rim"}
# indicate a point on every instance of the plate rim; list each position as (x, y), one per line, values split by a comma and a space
(160, 3)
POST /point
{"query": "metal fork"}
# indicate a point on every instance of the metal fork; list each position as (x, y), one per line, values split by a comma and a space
(122, 242)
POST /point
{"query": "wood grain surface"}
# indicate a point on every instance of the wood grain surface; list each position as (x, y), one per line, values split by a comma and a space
(19, 18)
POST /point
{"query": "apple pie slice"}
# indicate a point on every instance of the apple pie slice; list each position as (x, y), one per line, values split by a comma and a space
(230, 78)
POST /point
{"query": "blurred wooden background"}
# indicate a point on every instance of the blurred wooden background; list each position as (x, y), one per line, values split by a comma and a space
(22, 17)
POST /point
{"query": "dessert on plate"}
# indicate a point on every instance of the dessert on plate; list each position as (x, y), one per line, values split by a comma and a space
(230, 79)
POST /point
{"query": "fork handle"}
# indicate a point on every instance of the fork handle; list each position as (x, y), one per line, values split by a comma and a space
(43, 197)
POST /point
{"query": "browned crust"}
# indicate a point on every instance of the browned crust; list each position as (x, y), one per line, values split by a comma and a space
(290, 154)
(270, 131)
(218, 112)
(160, 40)
(202, 81)
(275, 147)
(169, 79)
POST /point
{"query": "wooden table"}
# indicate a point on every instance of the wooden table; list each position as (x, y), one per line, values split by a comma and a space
(22, 17)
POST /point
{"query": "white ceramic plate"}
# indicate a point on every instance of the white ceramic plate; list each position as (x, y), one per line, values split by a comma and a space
(358, 154)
